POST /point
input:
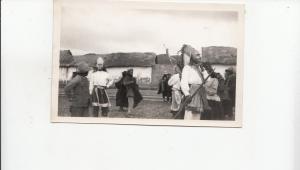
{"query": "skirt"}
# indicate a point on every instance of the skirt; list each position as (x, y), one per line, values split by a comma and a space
(100, 97)
(176, 100)
(198, 102)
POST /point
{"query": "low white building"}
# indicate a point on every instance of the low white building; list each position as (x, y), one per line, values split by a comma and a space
(115, 63)
(147, 67)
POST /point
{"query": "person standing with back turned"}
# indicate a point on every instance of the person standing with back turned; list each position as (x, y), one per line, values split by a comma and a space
(77, 91)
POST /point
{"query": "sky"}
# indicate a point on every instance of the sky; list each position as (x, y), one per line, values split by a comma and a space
(110, 27)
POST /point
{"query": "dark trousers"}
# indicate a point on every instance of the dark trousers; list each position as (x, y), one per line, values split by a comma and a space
(216, 110)
(79, 111)
(104, 111)
(227, 107)
(215, 113)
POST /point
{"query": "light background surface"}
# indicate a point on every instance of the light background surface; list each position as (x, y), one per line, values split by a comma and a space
(111, 27)
(269, 139)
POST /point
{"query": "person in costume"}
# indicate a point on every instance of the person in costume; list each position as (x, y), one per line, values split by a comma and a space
(192, 78)
(133, 94)
(121, 96)
(77, 90)
(174, 82)
(214, 101)
(99, 82)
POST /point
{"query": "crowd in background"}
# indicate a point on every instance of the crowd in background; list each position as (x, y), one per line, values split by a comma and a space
(195, 97)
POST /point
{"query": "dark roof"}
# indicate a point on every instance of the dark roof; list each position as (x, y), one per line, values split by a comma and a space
(130, 59)
(119, 59)
(220, 55)
(212, 54)
(162, 59)
(90, 58)
(66, 58)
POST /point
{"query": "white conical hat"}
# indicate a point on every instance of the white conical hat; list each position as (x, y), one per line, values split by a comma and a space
(100, 60)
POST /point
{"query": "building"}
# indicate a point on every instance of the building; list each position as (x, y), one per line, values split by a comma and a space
(66, 65)
(115, 63)
(148, 68)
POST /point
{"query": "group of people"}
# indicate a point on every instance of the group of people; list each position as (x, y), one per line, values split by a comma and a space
(206, 99)
(88, 88)
(195, 91)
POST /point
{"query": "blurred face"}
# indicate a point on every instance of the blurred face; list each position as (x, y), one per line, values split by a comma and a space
(177, 69)
(99, 65)
(226, 74)
(130, 72)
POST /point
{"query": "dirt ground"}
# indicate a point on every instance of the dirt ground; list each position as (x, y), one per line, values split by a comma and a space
(154, 109)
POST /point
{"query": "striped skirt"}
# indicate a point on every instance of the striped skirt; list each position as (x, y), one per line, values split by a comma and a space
(197, 103)
(176, 100)
(100, 97)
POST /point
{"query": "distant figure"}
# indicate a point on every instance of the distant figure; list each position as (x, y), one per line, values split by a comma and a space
(164, 88)
(77, 90)
(133, 94)
(230, 82)
(224, 95)
(174, 82)
(169, 89)
(121, 96)
(99, 81)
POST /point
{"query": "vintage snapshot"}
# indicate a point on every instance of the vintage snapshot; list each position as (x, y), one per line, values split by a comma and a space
(148, 63)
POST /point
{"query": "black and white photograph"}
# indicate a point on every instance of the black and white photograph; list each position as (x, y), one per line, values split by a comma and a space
(148, 63)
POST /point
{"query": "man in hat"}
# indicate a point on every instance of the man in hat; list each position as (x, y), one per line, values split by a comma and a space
(230, 82)
(77, 90)
(99, 81)
(192, 78)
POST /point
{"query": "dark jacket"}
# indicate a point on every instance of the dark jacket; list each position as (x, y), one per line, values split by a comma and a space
(77, 90)
(130, 83)
(164, 88)
(121, 98)
(222, 90)
(231, 85)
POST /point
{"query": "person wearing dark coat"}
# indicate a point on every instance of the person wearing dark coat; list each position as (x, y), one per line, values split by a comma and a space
(164, 88)
(133, 94)
(77, 90)
(121, 96)
(230, 82)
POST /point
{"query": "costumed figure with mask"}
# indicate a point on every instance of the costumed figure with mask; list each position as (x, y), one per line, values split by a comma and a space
(191, 82)
(99, 82)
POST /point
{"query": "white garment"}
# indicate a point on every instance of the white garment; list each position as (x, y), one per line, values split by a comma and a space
(211, 87)
(189, 76)
(100, 78)
(174, 81)
(89, 76)
(186, 59)
(189, 115)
